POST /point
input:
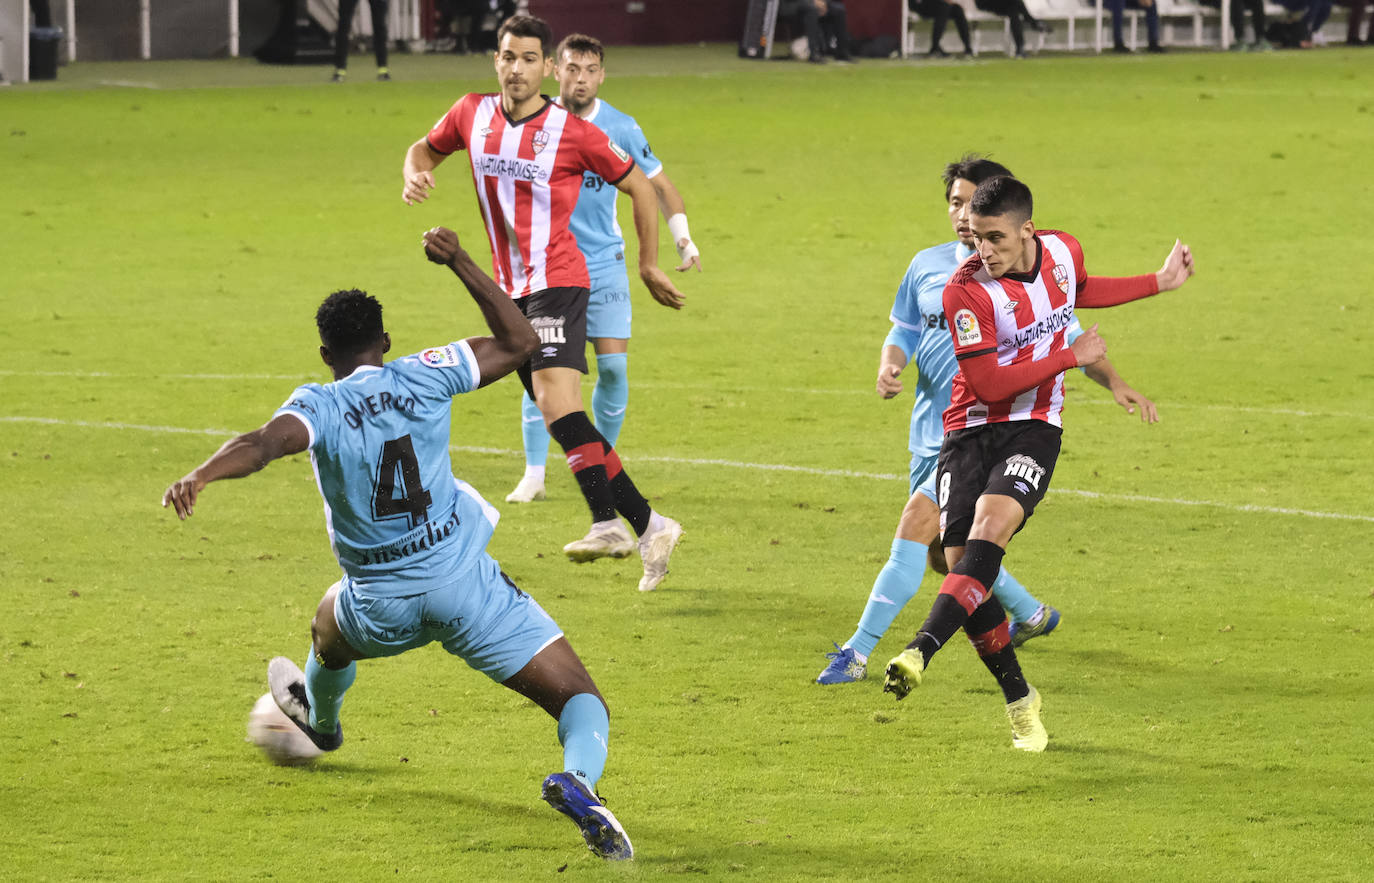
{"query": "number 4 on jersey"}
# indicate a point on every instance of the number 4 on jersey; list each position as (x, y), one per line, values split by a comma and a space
(414, 500)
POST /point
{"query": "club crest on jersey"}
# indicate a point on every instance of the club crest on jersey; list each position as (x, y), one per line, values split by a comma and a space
(966, 328)
(616, 149)
(440, 357)
(539, 141)
(1061, 278)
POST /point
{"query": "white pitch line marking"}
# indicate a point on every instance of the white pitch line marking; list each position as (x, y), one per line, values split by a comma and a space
(1076, 401)
(764, 467)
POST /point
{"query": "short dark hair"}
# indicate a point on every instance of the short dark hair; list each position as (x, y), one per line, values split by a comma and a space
(527, 26)
(1003, 195)
(973, 168)
(350, 321)
(582, 44)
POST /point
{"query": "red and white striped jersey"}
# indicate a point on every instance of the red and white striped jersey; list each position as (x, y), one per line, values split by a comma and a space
(528, 174)
(1023, 317)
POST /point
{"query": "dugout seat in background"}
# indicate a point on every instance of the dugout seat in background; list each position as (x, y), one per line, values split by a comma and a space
(1172, 11)
(909, 23)
(1065, 12)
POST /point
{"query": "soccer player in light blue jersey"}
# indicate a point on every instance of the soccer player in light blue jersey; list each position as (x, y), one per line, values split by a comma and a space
(411, 538)
(920, 336)
(580, 72)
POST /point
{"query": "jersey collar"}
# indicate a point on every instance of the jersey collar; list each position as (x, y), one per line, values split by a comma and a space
(548, 102)
(1034, 272)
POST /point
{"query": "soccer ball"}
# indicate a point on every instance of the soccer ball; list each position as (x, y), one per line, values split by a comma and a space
(281, 740)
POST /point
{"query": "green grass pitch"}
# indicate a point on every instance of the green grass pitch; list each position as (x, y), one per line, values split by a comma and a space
(166, 231)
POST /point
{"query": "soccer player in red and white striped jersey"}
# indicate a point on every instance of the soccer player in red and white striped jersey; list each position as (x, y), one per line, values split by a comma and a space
(527, 157)
(1009, 307)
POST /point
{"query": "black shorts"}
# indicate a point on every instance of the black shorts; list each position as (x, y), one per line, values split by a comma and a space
(559, 317)
(1014, 459)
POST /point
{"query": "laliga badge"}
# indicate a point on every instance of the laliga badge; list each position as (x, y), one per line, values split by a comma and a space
(966, 328)
(440, 357)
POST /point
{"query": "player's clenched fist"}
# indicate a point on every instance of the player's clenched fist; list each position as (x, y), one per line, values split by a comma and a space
(441, 245)
(1089, 347)
(889, 381)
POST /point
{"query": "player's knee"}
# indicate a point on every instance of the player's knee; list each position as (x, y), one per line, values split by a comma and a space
(330, 647)
(612, 373)
(920, 521)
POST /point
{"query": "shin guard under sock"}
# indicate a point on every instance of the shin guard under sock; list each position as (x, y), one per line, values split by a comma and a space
(987, 631)
(611, 395)
(584, 729)
(896, 584)
(963, 591)
(324, 690)
(585, 451)
(628, 500)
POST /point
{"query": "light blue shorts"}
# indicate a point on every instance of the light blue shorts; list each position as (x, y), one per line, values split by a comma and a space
(923, 476)
(608, 309)
(488, 622)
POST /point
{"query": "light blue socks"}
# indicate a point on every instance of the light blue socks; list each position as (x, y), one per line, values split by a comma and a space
(534, 432)
(583, 730)
(1013, 597)
(325, 688)
(611, 394)
(896, 584)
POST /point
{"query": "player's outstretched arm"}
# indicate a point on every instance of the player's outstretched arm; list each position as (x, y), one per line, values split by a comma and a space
(418, 171)
(645, 203)
(1111, 291)
(675, 213)
(1178, 266)
(512, 338)
(240, 456)
(1103, 372)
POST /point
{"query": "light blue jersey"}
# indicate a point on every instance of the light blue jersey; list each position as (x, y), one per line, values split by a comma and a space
(594, 223)
(919, 329)
(398, 520)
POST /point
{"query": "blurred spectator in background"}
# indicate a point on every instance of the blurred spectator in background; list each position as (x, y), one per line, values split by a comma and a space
(1015, 12)
(473, 23)
(938, 12)
(1150, 8)
(1352, 32)
(379, 36)
(1238, 8)
(42, 14)
(825, 25)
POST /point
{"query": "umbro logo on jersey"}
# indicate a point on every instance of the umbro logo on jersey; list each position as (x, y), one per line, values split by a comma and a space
(550, 351)
(1011, 306)
(485, 131)
(1061, 278)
